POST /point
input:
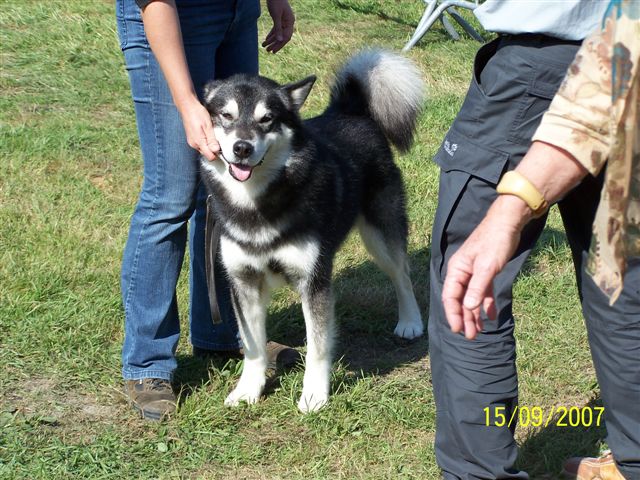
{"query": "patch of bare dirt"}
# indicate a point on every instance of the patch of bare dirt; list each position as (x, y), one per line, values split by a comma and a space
(44, 398)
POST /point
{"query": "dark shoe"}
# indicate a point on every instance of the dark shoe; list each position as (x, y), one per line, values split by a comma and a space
(282, 357)
(278, 356)
(152, 397)
(586, 468)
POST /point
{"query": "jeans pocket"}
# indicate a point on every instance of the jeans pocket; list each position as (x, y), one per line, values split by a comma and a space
(121, 23)
(129, 23)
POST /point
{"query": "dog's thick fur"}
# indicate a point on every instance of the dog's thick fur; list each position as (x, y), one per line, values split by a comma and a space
(286, 193)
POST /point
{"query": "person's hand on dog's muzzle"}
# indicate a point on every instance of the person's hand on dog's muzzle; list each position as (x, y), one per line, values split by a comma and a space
(199, 130)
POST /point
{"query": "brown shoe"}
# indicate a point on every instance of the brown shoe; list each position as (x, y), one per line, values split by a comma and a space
(281, 356)
(278, 356)
(587, 468)
(152, 397)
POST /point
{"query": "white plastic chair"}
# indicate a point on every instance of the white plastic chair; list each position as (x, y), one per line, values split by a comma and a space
(433, 11)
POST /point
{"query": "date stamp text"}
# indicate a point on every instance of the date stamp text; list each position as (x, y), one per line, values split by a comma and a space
(559, 416)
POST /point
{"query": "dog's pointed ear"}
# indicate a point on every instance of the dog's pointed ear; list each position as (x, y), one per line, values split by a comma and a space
(299, 91)
(209, 91)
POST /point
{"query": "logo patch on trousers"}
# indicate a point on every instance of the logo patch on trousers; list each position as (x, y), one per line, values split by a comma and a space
(450, 148)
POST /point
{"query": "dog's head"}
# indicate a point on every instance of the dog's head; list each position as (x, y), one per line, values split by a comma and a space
(254, 119)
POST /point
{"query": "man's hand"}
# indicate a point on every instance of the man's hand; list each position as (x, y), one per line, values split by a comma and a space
(283, 20)
(468, 285)
(199, 129)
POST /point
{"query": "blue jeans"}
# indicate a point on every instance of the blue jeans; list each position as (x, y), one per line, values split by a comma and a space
(220, 39)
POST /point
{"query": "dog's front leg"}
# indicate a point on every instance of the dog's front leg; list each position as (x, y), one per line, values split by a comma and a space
(250, 306)
(319, 318)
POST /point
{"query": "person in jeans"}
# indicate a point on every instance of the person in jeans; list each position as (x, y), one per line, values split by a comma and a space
(171, 49)
(514, 79)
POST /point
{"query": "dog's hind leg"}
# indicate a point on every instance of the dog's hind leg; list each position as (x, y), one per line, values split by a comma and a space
(250, 299)
(319, 317)
(388, 249)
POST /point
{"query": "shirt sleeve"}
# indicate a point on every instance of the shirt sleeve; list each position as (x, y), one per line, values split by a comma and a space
(579, 117)
(143, 3)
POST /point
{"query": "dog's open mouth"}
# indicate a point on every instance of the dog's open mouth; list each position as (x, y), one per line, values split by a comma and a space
(242, 173)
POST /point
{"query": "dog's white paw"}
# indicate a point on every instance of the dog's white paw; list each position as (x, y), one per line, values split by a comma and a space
(409, 330)
(250, 394)
(312, 401)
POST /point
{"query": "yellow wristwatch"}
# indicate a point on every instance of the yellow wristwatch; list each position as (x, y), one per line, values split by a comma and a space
(513, 183)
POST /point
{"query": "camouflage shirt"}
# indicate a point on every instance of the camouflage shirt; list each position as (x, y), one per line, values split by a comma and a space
(595, 117)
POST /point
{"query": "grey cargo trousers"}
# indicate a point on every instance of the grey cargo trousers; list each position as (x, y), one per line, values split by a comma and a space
(515, 78)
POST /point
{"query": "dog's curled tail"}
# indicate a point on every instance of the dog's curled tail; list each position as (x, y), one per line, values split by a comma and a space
(384, 85)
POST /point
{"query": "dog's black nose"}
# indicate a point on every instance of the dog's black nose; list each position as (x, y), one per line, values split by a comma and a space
(242, 149)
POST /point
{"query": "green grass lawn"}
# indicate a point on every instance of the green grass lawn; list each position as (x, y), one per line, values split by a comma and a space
(70, 173)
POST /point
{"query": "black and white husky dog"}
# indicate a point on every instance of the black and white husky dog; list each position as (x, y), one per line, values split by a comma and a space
(286, 193)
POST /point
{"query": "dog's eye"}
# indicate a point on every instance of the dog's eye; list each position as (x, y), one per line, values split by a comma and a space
(266, 119)
(227, 116)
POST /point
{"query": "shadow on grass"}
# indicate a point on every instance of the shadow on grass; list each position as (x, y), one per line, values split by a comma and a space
(546, 449)
(366, 313)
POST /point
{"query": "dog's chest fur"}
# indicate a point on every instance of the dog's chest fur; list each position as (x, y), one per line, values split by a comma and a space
(291, 262)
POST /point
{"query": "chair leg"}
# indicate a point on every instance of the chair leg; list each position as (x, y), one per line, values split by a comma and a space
(449, 28)
(465, 25)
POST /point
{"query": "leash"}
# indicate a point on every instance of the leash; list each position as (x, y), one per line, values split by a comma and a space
(211, 242)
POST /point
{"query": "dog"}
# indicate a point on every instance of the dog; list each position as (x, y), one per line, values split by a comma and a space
(286, 193)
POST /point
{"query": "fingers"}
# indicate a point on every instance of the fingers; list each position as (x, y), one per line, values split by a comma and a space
(466, 292)
(206, 151)
(489, 306)
(207, 144)
(275, 40)
(455, 285)
(479, 286)
(282, 31)
(210, 146)
(472, 323)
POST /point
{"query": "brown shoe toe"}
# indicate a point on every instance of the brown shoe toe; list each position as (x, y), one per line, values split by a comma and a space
(588, 468)
(153, 398)
(282, 356)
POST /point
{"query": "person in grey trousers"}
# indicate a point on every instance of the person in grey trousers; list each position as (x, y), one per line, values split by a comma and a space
(514, 79)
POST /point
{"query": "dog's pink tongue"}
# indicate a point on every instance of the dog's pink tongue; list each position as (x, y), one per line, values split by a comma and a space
(241, 172)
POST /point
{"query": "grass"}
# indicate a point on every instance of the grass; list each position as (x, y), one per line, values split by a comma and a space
(69, 177)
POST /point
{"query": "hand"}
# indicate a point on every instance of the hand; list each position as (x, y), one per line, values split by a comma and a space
(468, 285)
(283, 20)
(199, 129)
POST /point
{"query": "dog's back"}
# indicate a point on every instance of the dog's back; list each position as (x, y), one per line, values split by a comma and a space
(375, 101)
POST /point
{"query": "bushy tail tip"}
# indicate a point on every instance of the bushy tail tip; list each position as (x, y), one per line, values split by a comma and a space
(385, 85)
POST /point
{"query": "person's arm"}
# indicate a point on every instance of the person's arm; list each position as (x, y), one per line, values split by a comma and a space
(162, 27)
